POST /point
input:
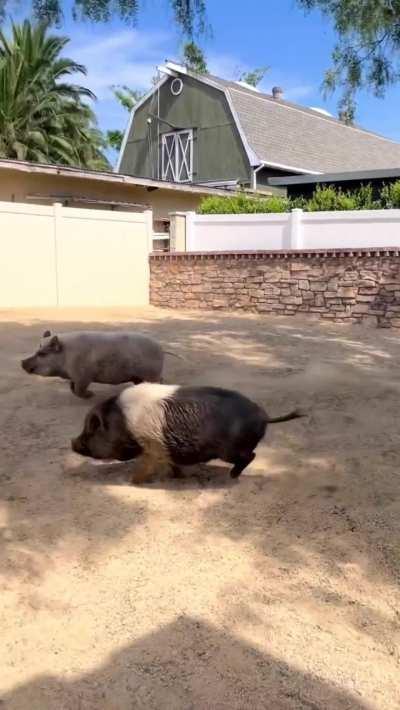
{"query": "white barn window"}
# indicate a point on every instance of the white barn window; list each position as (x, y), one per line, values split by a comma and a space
(177, 156)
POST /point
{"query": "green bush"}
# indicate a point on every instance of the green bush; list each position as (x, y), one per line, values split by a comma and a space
(299, 203)
(323, 200)
(326, 198)
(243, 204)
(364, 198)
(390, 196)
(277, 204)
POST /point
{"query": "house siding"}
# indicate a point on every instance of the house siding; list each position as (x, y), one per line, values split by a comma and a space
(16, 186)
(218, 152)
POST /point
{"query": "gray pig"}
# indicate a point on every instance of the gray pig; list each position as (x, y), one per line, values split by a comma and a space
(105, 357)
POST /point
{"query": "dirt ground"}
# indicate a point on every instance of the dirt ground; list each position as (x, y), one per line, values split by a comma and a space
(276, 592)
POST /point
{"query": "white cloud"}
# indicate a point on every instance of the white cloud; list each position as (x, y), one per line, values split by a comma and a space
(130, 56)
(296, 93)
(225, 66)
(230, 67)
(124, 57)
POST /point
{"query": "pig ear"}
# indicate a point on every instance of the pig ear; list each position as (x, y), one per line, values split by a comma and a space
(46, 334)
(55, 344)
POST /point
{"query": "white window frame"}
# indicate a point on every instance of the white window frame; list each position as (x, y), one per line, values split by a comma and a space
(170, 158)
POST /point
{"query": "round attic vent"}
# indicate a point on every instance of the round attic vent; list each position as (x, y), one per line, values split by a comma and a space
(176, 87)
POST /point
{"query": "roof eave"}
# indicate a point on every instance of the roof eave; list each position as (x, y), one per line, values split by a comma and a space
(108, 177)
(343, 176)
(291, 168)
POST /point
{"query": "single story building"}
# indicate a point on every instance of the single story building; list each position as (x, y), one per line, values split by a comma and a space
(305, 185)
(25, 182)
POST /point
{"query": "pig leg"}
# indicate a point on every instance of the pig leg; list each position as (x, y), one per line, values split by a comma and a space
(241, 462)
(79, 388)
(176, 472)
(144, 469)
(152, 462)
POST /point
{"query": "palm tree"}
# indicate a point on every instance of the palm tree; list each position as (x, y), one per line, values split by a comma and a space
(44, 118)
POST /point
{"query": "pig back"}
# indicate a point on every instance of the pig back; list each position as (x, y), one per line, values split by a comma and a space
(113, 357)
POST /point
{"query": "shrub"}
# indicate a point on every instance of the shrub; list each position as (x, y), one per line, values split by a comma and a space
(243, 204)
(364, 198)
(299, 203)
(328, 199)
(390, 196)
(277, 204)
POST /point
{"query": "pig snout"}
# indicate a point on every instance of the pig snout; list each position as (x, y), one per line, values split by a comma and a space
(28, 365)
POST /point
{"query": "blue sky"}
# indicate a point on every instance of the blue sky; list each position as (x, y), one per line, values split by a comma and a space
(276, 33)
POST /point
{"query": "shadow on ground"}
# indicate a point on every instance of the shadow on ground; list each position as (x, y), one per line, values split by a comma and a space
(322, 489)
(185, 665)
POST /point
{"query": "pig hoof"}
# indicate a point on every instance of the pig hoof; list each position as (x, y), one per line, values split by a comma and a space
(85, 395)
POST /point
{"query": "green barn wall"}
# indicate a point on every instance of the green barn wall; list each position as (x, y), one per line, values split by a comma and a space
(218, 152)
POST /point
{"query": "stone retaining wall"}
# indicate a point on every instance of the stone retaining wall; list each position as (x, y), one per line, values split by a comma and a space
(337, 285)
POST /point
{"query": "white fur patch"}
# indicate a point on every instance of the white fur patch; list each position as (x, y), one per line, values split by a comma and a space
(144, 414)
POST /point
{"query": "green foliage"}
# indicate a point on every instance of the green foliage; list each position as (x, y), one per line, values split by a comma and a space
(243, 204)
(126, 96)
(299, 203)
(255, 77)
(364, 198)
(189, 15)
(194, 59)
(44, 118)
(114, 139)
(326, 198)
(367, 54)
(390, 195)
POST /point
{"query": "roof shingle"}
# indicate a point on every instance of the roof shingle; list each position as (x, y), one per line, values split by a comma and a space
(288, 134)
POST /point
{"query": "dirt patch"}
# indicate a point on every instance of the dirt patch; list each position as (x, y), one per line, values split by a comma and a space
(280, 591)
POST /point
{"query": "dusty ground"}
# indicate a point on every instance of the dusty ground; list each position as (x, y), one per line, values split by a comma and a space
(279, 592)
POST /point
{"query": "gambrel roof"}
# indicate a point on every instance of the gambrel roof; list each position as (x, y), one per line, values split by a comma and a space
(283, 135)
(282, 132)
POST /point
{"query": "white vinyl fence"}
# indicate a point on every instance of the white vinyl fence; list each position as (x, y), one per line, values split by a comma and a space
(61, 256)
(293, 230)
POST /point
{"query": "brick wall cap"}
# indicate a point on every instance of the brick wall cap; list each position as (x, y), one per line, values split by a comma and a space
(273, 254)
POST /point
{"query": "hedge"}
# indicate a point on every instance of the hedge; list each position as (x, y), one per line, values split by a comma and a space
(324, 199)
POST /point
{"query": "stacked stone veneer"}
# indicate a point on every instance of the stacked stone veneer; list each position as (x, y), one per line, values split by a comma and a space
(336, 285)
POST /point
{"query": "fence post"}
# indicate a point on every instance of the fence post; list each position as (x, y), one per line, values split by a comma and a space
(148, 214)
(296, 229)
(190, 229)
(177, 231)
(57, 217)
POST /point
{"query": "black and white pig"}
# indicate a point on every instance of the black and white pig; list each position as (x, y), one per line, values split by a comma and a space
(107, 357)
(175, 426)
